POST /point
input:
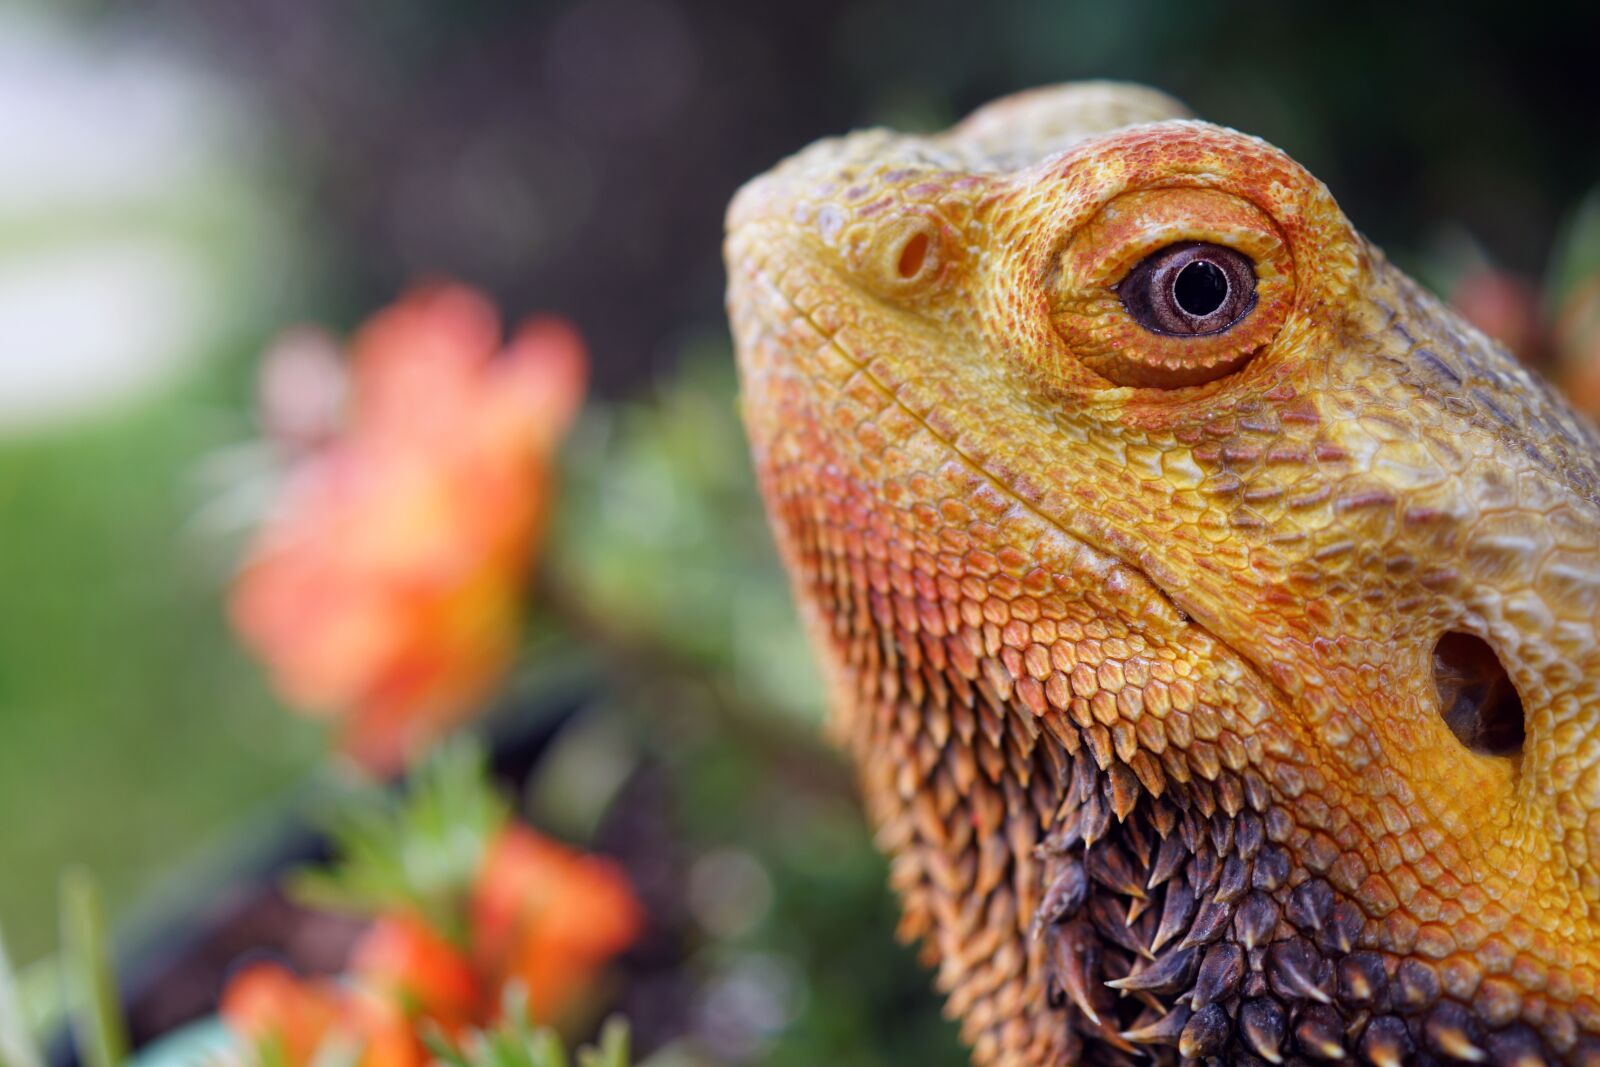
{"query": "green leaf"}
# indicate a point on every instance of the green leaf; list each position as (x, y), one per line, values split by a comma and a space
(614, 1048)
(515, 1042)
(420, 852)
(92, 988)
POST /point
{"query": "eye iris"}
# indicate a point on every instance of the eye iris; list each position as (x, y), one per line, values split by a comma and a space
(1200, 288)
(1190, 289)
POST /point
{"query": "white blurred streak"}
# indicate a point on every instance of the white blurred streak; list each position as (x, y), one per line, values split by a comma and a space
(109, 282)
(86, 323)
(89, 120)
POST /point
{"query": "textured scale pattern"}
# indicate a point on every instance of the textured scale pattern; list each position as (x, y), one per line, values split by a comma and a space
(1140, 678)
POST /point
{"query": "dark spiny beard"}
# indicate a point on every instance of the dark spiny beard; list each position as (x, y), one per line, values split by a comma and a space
(1180, 929)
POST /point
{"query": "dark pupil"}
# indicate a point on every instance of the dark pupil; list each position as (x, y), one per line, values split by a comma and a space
(1190, 289)
(1200, 288)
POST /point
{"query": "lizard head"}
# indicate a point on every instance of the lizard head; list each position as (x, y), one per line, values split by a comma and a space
(1189, 581)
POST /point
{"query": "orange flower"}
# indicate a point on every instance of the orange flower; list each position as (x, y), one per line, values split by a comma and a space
(387, 1034)
(384, 590)
(266, 1004)
(539, 914)
(271, 1009)
(406, 962)
(550, 918)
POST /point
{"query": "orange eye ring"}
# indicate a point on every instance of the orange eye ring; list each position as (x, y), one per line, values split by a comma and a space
(1105, 302)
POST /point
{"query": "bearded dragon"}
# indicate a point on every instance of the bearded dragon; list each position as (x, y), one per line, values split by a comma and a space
(1210, 612)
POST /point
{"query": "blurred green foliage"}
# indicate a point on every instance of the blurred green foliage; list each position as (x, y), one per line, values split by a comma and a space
(420, 853)
(842, 991)
(661, 537)
(142, 221)
(132, 729)
(517, 1043)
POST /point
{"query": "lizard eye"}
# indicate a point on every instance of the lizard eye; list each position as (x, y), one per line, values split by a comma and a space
(1190, 288)
(1171, 287)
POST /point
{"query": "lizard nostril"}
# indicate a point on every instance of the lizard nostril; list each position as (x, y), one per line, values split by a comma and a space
(1476, 697)
(912, 256)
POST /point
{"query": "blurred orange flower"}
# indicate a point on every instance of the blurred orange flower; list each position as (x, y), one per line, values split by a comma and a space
(537, 914)
(1506, 308)
(384, 589)
(289, 1022)
(549, 917)
(1577, 333)
(268, 1006)
(411, 965)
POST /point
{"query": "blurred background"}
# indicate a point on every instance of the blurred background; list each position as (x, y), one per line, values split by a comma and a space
(182, 180)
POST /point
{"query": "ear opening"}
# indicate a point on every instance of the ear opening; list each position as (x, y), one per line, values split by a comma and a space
(1476, 698)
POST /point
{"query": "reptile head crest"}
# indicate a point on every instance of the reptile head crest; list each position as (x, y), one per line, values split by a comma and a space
(1211, 613)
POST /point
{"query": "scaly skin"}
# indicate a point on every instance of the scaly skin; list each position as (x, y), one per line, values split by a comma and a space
(1133, 637)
